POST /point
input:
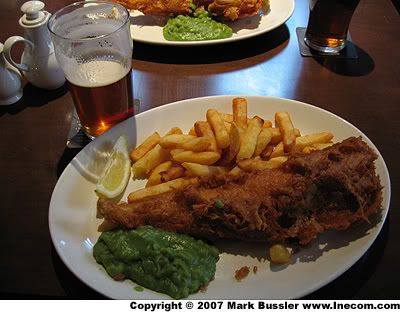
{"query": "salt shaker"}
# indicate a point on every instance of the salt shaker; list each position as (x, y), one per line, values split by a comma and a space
(38, 61)
(10, 81)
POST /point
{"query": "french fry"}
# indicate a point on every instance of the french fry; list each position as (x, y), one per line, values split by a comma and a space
(175, 151)
(175, 184)
(263, 139)
(228, 127)
(203, 129)
(200, 170)
(234, 145)
(309, 140)
(285, 125)
(277, 136)
(192, 132)
(226, 117)
(148, 144)
(278, 150)
(174, 131)
(174, 172)
(267, 124)
(249, 139)
(250, 165)
(266, 153)
(235, 171)
(142, 167)
(317, 146)
(239, 109)
(155, 177)
(220, 131)
(197, 144)
(205, 158)
(174, 141)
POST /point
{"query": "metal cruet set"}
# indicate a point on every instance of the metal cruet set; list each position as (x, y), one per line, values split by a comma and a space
(38, 61)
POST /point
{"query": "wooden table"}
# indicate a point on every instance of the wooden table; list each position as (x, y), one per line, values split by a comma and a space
(366, 92)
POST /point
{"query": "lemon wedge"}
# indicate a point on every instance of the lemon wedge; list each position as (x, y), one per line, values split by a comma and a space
(115, 176)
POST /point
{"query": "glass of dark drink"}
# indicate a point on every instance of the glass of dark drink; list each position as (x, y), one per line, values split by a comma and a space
(328, 24)
(93, 46)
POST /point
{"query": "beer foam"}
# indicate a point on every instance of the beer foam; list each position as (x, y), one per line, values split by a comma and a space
(97, 73)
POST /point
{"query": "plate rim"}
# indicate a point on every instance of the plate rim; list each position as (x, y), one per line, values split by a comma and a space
(216, 41)
(301, 293)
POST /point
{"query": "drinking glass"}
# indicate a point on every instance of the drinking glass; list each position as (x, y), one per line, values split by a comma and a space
(93, 46)
(328, 24)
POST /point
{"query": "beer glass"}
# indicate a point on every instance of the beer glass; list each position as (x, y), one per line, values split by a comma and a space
(328, 24)
(93, 46)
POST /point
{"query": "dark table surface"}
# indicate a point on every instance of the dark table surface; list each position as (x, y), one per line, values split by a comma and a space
(366, 92)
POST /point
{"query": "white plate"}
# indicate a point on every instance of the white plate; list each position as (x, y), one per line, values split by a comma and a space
(73, 223)
(149, 29)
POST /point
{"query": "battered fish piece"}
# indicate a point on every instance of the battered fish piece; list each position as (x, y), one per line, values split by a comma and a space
(328, 189)
(158, 7)
(229, 9)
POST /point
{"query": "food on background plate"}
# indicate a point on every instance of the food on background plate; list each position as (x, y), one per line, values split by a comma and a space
(177, 265)
(229, 9)
(198, 19)
(308, 194)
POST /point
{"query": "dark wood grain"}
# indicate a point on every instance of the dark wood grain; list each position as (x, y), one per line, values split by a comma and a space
(366, 92)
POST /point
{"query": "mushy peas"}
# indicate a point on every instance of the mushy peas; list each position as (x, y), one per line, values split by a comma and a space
(175, 264)
(200, 26)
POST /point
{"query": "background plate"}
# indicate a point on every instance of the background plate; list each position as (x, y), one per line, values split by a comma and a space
(73, 223)
(149, 29)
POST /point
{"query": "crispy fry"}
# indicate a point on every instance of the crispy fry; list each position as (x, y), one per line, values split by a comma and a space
(228, 126)
(285, 125)
(205, 158)
(235, 171)
(197, 144)
(234, 146)
(148, 144)
(278, 150)
(226, 117)
(155, 177)
(220, 131)
(203, 129)
(249, 139)
(263, 139)
(309, 140)
(174, 131)
(175, 184)
(277, 136)
(174, 141)
(174, 172)
(150, 160)
(267, 124)
(200, 170)
(175, 151)
(258, 165)
(192, 132)
(266, 153)
(239, 109)
(317, 146)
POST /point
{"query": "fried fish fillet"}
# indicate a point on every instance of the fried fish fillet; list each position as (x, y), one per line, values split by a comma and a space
(229, 9)
(158, 7)
(328, 189)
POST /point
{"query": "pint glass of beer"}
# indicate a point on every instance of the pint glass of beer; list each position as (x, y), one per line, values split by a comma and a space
(93, 46)
(328, 24)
